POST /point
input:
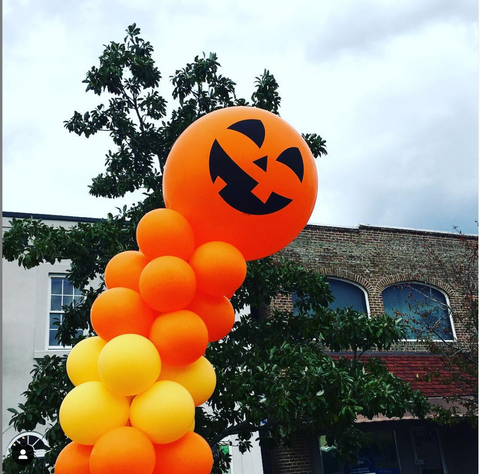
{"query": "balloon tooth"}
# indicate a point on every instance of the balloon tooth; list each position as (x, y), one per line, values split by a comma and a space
(218, 184)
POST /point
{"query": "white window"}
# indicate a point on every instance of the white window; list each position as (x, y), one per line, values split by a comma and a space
(62, 293)
(28, 441)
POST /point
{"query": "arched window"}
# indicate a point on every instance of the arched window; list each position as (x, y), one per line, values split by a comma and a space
(423, 308)
(29, 439)
(347, 295)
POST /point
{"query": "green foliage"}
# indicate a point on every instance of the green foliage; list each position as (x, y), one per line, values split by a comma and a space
(37, 466)
(278, 376)
(275, 375)
(47, 389)
(43, 397)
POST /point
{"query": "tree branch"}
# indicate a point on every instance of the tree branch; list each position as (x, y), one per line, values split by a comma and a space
(244, 427)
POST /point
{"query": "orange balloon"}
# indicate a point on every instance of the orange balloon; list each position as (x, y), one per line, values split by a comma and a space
(217, 313)
(120, 311)
(124, 450)
(73, 459)
(168, 283)
(242, 175)
(180, 337)
(219, 267)
(191, 454)
(165, 232)
(198, 378)
(124, 270)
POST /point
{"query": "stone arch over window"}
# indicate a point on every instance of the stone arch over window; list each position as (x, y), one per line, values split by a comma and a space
(424, 307)
(349, 276)
(398, 278)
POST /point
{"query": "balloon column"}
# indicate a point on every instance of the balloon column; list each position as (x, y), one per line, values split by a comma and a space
(239, 184)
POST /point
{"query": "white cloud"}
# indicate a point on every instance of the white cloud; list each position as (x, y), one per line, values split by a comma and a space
(391, 86)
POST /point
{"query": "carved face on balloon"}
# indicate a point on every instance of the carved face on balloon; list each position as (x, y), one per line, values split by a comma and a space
(244, 176)
(239, 185)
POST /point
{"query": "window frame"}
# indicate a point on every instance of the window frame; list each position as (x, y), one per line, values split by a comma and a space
(447, 304)
(23, 434)
(350, 282)
(60, 312)
(42, 311)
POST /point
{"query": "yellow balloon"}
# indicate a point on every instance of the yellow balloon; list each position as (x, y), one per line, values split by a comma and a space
(90, 410)
(82, 360)
(198, 378)
(164, 412)
(129, 364)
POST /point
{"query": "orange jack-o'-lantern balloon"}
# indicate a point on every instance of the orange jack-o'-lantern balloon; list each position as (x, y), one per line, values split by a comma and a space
(244, 176)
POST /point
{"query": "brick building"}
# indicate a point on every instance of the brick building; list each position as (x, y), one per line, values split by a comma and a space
(373, 269)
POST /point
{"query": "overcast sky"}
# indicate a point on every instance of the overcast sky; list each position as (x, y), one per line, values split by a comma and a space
(392, 86)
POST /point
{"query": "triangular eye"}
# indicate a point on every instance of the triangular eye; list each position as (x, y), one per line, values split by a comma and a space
(251, 128)
(292, 158)
(262, 163)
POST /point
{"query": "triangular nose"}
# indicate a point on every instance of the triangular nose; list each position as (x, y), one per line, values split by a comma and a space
(262, 163)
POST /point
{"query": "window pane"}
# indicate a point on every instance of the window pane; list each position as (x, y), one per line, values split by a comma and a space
(78, 299)
(347, 295)
(55, 319)
(76, 291)
(36, 442)
(67, 287)
(52, 341)
(67, 300)
(56, 286)
(56, 304)
(423, 308)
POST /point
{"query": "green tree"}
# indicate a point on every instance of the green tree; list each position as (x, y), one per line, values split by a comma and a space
(275, 374)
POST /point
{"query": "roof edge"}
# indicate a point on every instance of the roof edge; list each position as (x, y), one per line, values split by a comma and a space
(403, 230)
(51, 217)
(56, 217)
